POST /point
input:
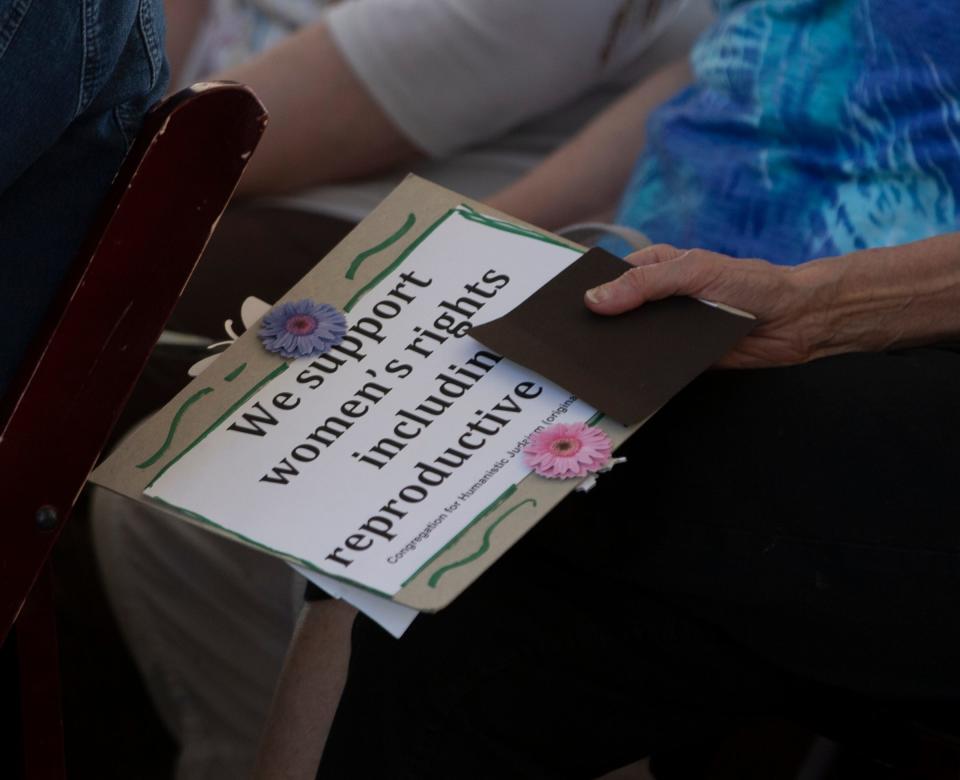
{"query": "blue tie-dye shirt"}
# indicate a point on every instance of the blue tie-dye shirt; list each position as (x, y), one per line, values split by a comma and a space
(813, 128)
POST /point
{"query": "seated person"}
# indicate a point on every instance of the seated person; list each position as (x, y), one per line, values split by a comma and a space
(376, 87)
(780, 542)
(71, 120)
(472, 94)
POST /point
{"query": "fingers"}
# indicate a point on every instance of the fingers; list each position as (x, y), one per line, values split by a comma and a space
(685, 273)
(656, 253)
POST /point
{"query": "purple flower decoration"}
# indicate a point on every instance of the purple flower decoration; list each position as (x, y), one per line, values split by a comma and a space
(302, 328)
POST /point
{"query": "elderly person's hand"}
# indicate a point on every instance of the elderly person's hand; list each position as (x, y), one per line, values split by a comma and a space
(864, 301)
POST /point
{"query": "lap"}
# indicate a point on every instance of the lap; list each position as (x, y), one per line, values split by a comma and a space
(778, 538)
(208, 622)
(76, 79)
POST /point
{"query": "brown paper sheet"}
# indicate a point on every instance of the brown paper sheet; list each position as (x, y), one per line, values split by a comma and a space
(626, 366)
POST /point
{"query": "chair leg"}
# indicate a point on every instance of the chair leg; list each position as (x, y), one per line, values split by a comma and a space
(39, 663)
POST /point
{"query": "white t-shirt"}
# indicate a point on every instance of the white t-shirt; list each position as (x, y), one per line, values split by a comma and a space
(486, 88)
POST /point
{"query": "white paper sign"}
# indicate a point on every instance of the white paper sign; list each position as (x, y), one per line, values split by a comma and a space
(392, 617)
(365, 462)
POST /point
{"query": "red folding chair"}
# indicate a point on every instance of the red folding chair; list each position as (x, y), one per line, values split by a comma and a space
(155, 223)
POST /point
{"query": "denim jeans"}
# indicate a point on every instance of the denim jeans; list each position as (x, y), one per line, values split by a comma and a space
(76, 77)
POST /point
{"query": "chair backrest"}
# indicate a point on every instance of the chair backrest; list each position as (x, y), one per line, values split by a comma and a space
(161, 210)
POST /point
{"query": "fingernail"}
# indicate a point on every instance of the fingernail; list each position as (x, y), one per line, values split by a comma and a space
(597, 294)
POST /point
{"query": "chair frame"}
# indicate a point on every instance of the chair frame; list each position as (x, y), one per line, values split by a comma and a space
(55, 418)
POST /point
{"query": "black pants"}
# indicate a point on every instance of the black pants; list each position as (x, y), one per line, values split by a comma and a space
(781, 542)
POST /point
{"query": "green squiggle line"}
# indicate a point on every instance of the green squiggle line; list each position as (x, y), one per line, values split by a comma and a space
(597, 417)
(260, 546)
(390, 268)
(216, 423)
(235, 373)
(359, 259)
(468, 213)
(471, 214)
(484, 546)
(173, 427)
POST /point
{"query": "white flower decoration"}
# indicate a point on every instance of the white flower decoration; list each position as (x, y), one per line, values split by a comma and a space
(251, 311)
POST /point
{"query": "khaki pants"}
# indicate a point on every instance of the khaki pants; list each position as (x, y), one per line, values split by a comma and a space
(208, 622)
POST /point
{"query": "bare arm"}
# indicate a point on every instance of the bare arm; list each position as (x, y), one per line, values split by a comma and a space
(307, 695)
(586, 176)
(861, 302)
(324, 125)
(183, 18)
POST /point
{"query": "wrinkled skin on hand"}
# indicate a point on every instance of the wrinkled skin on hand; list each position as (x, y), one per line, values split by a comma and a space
(792, 305)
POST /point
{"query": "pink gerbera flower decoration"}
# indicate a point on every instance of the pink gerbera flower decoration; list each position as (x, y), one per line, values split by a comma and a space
(563, 451)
